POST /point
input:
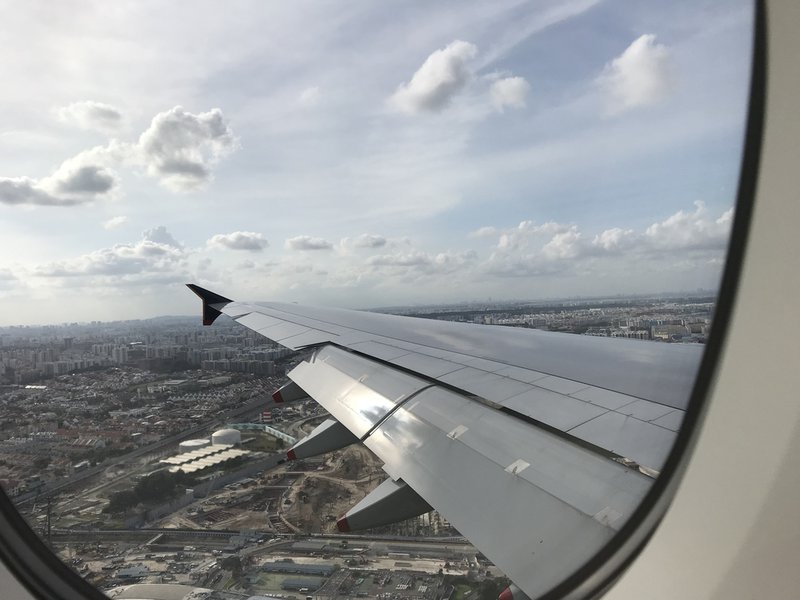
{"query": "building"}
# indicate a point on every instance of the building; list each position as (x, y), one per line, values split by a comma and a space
(230, 437)
(190, 445)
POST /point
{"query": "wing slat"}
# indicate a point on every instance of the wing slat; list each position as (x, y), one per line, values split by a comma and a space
(566, 498)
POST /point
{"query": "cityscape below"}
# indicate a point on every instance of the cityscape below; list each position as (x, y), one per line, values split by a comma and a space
(150, 456)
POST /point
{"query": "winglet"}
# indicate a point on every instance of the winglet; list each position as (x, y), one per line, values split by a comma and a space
(211, 303)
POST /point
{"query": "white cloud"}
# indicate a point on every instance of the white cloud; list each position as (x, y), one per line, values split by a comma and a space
(691, 239)
(613, 239)
(365, 240)
(84, 181)
(526, 233)
(527, 254)
(530, 250)
(309, 96)
(640, 76)
(509, 91)
(115, 222)
(423, 263)
(240, 240)
(160, 235)
(180, 148)
(726, 218)
(157, 253)
(410, 259)
(564, 245)
(690, 230)
(443, 74)
(305, 242)
(26, 191)
(483, 232)
(449, 262)
(92, 115)
(78, 180)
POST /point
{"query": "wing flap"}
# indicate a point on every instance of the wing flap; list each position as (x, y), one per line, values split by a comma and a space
(515, 490)
(357, 392)
(628, 437)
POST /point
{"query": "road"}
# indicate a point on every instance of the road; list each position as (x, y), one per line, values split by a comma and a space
(102, 535)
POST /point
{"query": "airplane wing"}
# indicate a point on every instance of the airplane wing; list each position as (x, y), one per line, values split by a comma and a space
(536, 446)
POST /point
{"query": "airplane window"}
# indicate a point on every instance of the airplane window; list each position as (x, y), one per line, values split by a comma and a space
(532, 200)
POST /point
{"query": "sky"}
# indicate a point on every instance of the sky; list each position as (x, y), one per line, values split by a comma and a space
(363, 154)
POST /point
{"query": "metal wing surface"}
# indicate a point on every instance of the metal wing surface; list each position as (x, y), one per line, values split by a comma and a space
(536, 446)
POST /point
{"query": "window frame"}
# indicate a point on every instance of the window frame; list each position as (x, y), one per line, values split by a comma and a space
(45, 576)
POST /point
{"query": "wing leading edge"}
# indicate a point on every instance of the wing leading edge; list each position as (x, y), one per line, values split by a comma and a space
(535, 455)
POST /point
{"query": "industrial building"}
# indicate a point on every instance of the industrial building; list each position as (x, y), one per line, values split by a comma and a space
(230, 437)
(300, 584)
(189, 445)
(323, 570)
(157, 591)
(209, 461)
(198, 454)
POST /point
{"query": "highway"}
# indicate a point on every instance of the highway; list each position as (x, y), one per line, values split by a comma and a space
(117, 534)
